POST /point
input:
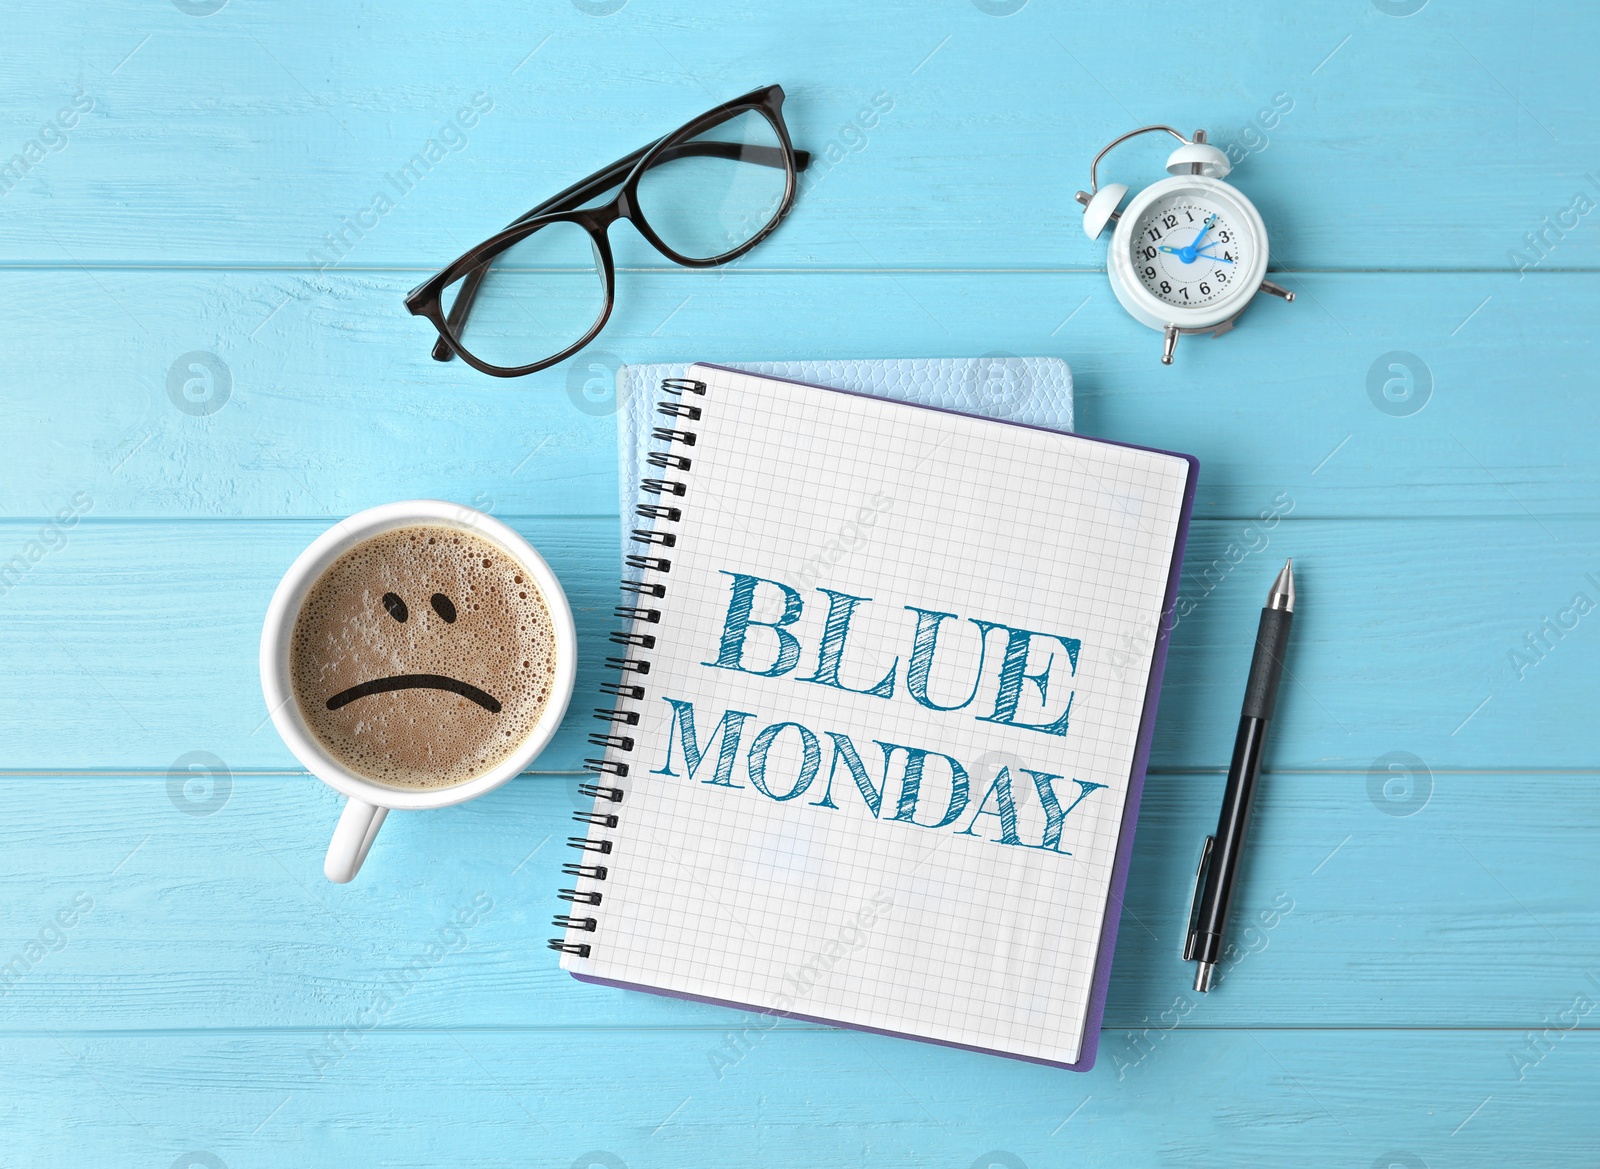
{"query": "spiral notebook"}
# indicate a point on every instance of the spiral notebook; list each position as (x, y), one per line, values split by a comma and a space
(876, 728)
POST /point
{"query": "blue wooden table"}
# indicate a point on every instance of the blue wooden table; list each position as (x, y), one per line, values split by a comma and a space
(206, 360)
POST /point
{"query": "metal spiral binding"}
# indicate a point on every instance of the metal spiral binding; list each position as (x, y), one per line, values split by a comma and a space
(613, 738)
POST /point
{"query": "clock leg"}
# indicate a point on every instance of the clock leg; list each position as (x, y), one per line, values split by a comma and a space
(1276, 290)
(1169, 342)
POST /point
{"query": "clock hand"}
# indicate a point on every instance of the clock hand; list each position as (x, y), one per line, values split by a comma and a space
(1218, 259)
(1193, 255)
(1189, 251)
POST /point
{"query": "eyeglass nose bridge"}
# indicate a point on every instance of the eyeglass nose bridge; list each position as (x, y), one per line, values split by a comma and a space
(599, 221)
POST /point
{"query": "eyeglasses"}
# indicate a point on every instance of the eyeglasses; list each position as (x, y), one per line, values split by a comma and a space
(543, 288)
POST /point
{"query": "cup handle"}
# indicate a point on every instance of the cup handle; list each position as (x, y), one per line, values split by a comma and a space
(358, 827)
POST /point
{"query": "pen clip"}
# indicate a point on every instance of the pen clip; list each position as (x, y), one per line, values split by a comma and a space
(1194, 901)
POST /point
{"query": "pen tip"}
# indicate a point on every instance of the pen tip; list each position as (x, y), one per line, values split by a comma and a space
(1281, 595)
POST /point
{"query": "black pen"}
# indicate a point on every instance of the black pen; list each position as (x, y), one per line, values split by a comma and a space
(1219, 859)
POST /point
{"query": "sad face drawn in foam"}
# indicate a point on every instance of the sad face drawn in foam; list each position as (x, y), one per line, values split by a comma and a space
(422, 657)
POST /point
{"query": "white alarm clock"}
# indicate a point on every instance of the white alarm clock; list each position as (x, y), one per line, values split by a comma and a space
(1189, 252)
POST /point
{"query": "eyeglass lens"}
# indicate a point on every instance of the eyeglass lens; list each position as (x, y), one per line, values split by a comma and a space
(706, 195)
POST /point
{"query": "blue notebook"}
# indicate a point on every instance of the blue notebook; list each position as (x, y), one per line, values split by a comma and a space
(1036, 391)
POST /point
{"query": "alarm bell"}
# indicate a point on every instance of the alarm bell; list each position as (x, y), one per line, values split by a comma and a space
(1100, 208)
(1194, 157)
(1199, 158)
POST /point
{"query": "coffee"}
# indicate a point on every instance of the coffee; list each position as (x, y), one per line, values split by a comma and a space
(422, 657)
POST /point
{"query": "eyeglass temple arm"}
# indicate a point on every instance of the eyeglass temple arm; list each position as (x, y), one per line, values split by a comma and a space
(585, 189)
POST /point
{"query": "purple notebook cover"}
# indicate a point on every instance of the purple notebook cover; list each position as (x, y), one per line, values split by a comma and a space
(1130, 811)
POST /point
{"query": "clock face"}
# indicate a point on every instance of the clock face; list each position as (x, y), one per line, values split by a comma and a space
(1188, 253)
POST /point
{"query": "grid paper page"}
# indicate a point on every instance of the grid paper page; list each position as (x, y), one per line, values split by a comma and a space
(805, 869)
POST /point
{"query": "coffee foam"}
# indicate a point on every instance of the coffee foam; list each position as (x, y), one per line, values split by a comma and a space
(501, 648)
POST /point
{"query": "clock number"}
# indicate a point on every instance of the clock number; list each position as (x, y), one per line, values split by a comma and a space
(1223, 237)
(1165, 286)
(1190, 214)
(1154, 233)
(1149, 273)
(1185, 291)
(1227, 255)
(1148, 253)
(1221, 276)
(1169, 222)
(1205, 289)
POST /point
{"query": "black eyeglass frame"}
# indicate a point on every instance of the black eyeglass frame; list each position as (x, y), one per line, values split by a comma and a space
(426, 299)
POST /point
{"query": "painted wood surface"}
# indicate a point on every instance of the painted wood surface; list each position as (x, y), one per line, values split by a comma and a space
(332, 404)
(1428, 142)
(208, 908)
(1419, 980)
(1388, 1097)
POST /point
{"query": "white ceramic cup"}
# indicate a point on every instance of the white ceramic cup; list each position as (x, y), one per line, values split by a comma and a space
(368, 802)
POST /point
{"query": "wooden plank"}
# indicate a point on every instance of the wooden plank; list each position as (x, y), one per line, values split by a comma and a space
(795, 1100)
(136, 642)
(242, 137)
(205, 907)
(333, 405)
